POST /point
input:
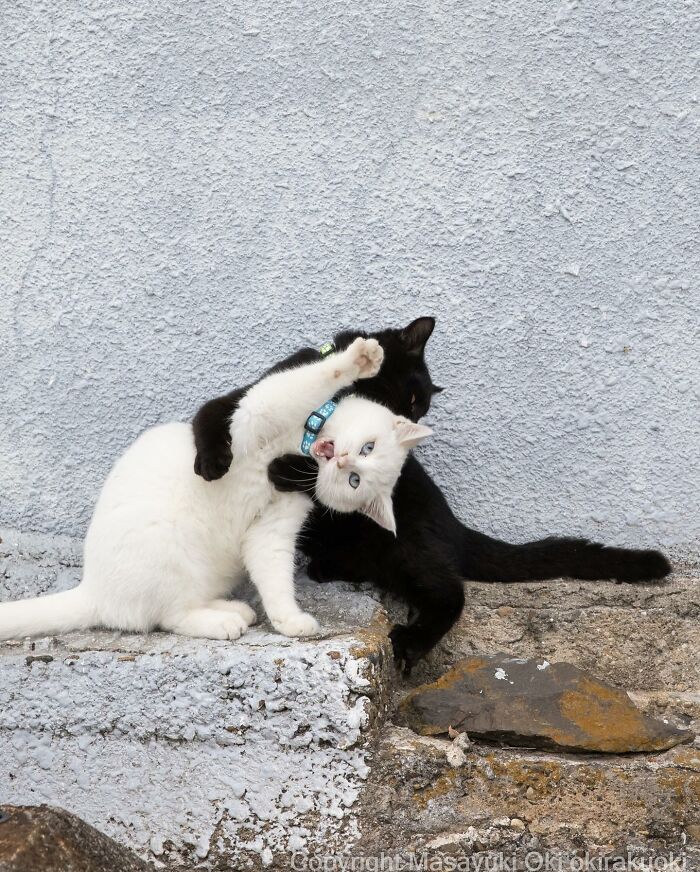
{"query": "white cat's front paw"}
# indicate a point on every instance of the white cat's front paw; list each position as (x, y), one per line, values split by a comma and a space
(365, 357)
(297, 624)
(237, 607)
(232, 626)
(209, 623)
(245, 611)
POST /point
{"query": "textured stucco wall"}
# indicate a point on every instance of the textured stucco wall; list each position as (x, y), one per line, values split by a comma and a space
(190, 190)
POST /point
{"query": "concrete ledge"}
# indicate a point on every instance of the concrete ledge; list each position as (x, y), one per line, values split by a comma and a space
(236, 755)
(196, 751)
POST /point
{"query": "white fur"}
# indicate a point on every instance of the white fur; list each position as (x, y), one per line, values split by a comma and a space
(165, 548)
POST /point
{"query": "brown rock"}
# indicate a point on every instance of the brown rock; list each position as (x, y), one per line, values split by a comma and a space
(45, 839)
(535, 704)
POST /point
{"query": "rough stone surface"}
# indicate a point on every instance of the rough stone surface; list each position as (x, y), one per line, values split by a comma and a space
(195, 751)
(606, 805)
(189, 190)
(189, 750)
(537, 704)
(44, 839)
(635, 636)
(409, 794)
(678, 708)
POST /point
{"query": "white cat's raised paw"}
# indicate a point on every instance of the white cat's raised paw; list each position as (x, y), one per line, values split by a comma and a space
(365, 356)
(298, 624)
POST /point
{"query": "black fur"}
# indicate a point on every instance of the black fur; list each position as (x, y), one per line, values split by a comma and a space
(212, 438)
(403, 384)
(433, 551)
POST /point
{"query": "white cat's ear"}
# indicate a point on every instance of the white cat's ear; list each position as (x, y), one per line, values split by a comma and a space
(381, 511)
(410, 434)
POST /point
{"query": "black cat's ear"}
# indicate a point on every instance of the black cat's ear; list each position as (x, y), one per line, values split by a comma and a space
(436, 389)
(415, 336)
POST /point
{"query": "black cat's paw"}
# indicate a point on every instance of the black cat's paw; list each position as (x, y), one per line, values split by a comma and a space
(292, 474)
(213, 465)
(644, 566)
(406, 650)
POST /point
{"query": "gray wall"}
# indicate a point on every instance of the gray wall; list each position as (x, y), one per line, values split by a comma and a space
(189, 190)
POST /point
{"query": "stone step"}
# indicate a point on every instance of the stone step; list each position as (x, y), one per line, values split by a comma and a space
(494, 801)
(236, 755)
(635, 636)
(221, 754)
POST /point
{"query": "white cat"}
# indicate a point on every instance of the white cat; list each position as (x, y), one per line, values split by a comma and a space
(164, 547)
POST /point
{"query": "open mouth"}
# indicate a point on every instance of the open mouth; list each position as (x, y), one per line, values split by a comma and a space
(323, 448)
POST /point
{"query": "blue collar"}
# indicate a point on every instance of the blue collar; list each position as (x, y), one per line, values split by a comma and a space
(314, 425)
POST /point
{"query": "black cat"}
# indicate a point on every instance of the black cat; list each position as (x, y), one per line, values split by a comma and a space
(433, 551)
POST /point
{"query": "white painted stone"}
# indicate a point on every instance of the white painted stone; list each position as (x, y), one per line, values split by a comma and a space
(173, 745)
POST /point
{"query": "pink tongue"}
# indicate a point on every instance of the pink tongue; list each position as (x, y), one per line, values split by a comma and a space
(325, 449)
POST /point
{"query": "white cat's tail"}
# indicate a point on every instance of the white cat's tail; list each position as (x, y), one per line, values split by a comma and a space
(46, 615)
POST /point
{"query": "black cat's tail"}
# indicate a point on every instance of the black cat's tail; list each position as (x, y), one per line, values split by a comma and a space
(487, 559)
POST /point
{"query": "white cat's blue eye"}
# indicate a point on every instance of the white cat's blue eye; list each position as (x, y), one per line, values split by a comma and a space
(354, 480)
(367, 448)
